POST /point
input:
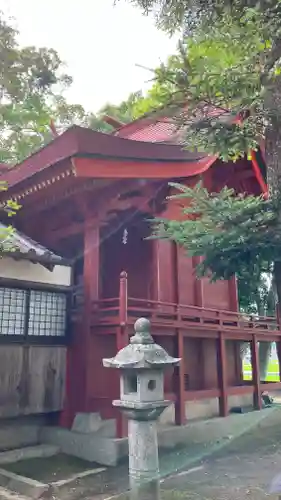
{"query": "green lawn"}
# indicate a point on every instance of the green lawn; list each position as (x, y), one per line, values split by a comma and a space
(273, 371)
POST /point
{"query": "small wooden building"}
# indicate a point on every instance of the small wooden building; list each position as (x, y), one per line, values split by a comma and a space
(34, 290)
(88, 196)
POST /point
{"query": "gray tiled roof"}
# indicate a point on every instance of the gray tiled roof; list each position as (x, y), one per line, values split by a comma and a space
(20, 246)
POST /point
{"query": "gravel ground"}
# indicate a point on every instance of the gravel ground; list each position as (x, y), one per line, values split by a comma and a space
(241, 470)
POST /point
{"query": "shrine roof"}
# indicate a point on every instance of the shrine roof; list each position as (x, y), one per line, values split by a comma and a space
(79, 141)
(19, 246)
(164, 127)
(149, 129)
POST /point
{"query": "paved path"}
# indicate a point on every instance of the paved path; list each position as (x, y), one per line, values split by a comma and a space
(243, 470)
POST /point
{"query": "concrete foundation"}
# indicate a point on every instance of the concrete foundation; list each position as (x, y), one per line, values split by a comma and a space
(31, 488)
(17, 436)
(91, 447)
(27, 432)
(94, 440)
(205, 408)
(28, 452)
(23, 431)
(23, 485)
(110, 450)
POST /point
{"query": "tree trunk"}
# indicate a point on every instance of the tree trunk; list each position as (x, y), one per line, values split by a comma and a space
(264, 357)
(273, 161)
(264, 347)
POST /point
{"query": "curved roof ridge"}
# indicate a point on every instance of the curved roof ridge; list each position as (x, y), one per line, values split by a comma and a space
(81, 141)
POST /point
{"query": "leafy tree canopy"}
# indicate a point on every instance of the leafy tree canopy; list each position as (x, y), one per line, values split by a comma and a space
(125, 112)
(32, 83)
(188, 15)
(225, 80)
(32, 86)
(217, 75)
(232, 232)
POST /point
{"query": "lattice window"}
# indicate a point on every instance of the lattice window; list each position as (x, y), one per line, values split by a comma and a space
(47, 314)
(12, 311)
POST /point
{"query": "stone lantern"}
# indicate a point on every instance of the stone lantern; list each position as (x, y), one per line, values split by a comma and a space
(142, 364)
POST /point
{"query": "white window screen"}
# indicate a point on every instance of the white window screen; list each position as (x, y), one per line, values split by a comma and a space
(12, 311)
(47, 314)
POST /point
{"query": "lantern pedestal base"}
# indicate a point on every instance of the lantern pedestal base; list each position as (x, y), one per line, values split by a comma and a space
(143, 460)
(141, 411)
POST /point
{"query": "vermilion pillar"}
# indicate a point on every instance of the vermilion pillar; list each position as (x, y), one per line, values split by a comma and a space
(81, 353)
(91, 294)
(164, 278)
(122, 339)
(256, 373)
(179, 381)
(222, 375)
(198, 284)
(233, 294)
(180, 369)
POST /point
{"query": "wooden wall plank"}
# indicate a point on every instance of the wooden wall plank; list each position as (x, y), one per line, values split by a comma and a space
(46, 378)
(164, 282)
(11, 387)
(186, 278)
(31, 379)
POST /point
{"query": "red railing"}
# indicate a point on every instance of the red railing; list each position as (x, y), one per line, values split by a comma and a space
(124, 310)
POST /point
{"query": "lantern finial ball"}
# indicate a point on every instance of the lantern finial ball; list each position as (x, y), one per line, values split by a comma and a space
(142, 332)
(142, 325)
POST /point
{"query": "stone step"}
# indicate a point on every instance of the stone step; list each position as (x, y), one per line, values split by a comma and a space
(88, 423)
(18, 435)
(85, 423)
(38, 451)
(108, 428)
(91, 446)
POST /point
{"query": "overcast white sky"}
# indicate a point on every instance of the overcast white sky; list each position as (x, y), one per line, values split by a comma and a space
(100, 44)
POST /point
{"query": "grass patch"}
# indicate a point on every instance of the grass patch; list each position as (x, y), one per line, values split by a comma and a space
(49, 469)
(273, 371)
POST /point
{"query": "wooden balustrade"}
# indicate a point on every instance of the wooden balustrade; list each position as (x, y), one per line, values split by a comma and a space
(118, 314)
(124, 310)
(166, 314)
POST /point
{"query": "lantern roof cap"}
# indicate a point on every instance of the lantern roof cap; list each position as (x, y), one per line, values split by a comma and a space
(142, 352)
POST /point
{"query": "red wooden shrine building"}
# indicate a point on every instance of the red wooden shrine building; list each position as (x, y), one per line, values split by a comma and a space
(87, 196)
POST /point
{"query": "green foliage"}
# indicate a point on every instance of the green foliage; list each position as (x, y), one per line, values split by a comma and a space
(216, 75)
(256, 294)
(8, 208)
(125, 112)
(188, 15)
(224, 68)
(173, 14)
(236, 234)
(32, 86)
(31, 94)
